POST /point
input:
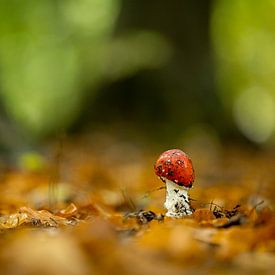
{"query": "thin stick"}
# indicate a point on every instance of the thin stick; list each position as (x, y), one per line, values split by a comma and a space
(147, 194)
(55, 178)
(128, 200)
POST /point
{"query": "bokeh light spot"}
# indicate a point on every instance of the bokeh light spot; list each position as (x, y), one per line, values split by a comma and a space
(254, 114)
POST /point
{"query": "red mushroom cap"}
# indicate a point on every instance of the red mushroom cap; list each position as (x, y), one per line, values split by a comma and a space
(175, 166)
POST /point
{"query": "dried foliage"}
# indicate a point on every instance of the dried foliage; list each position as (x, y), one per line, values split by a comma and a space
(104, 217)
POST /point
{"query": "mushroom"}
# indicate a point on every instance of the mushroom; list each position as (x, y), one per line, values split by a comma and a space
(175, 168)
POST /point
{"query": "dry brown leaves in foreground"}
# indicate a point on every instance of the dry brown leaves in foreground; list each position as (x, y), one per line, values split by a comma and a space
(94, 226)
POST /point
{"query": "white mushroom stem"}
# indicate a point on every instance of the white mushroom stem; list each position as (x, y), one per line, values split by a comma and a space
(177, 201)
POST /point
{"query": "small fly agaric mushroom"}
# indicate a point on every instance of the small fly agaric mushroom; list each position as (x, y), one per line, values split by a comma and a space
(175, 168)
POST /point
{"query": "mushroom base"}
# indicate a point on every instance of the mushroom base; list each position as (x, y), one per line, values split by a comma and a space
(177, 201)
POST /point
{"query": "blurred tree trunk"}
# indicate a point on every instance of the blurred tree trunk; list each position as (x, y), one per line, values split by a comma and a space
(182, 92)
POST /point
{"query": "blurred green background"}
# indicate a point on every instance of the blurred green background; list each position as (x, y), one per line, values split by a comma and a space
(159, 70)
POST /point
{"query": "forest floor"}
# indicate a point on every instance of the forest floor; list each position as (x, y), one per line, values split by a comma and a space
(98, 209)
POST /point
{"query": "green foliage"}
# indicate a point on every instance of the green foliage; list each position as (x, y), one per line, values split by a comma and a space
(244, 39)
(53, 52)
(39, 66)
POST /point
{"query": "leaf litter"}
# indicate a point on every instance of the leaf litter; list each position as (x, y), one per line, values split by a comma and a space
(102, 224)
